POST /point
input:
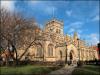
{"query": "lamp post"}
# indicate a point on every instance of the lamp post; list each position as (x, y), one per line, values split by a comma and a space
(78, 49)
(66, 53)
(78, 52)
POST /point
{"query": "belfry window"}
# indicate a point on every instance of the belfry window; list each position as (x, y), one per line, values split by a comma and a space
(58, 31)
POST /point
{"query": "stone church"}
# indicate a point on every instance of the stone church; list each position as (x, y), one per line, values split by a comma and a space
(53, 46)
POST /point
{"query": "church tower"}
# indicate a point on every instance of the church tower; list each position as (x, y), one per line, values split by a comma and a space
(55, 29)
(54, 26)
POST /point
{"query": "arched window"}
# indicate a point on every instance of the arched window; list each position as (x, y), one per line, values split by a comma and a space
(50, 50)
(39, 52)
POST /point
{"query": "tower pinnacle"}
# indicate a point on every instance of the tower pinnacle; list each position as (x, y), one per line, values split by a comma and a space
(75, 35)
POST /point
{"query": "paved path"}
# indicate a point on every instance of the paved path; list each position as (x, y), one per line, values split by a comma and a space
(67, 70)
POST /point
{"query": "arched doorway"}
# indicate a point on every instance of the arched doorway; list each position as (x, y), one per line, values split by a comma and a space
(60, 54)
(71, 56)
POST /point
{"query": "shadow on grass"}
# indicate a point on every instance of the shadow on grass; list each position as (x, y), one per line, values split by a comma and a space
(27, 70)
(86, 70)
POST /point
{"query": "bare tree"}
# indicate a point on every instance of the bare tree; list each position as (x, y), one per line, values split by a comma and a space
(17, 31)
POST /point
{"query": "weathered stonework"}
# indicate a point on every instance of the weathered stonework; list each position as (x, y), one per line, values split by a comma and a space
(51, 46)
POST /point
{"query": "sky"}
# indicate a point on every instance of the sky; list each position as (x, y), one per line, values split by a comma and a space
(78, 16)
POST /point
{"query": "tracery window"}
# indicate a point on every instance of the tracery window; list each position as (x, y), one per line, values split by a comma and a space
(39, 52)
(50, 50)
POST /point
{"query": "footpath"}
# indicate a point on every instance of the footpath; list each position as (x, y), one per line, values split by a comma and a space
(67, 70)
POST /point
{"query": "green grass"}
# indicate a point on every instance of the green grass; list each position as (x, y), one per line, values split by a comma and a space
(92, 67)
(30, 69)
(87, 70)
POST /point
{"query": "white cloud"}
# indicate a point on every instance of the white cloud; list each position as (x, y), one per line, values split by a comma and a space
(46, 7)
(69, 13)
(34, 2)
(9, 5)
(71, 30)
(93, 38)
(50, 10)
(76, 25)
(79, 35)
(96, 18)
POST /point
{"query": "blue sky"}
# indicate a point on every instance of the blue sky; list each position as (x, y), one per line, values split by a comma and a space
(80, 16)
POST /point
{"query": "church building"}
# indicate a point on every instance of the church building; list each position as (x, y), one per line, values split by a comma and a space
(53, 46)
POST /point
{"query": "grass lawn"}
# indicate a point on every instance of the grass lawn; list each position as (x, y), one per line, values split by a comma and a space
(87, 70)
(23, 70)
